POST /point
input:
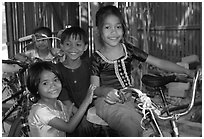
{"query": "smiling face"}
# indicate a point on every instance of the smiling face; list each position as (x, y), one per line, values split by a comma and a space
(74, 47)
(49, 86)
(112, 31)
(41, 43)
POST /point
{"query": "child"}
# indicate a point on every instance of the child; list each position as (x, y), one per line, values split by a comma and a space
(42, 47)
(111, 71)
(75, 71)
(49, 117)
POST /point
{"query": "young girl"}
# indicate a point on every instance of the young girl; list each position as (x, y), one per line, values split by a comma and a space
(111, 71)
(49, 117)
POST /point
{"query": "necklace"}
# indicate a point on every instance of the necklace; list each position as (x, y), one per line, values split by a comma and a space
(112, 53)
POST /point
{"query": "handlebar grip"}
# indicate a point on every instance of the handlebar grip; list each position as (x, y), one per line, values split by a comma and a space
(21, 64)
(10, 62)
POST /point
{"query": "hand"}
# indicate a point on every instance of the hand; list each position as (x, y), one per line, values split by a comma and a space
(36, 59)
(61, 53)
(127, 95)
(115, 96)
(89, 96)
(191, 73)
(70, 110)
(22, 58)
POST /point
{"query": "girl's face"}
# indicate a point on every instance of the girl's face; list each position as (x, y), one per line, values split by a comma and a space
(74, 47)
(112, 31)
(49, 86)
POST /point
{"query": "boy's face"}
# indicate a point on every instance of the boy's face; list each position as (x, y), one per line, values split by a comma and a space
(41, 43)
(73, 47)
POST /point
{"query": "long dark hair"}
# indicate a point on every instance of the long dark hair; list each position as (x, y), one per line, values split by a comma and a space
(34, 72)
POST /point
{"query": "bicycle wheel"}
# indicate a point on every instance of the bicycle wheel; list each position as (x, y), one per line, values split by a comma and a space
(18, 129)
(150, 131)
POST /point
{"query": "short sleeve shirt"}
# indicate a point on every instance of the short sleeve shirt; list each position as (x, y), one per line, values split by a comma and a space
(75, 82)
(116, 73)
(39, 117)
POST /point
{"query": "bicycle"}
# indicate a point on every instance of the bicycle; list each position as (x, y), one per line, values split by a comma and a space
(152, 113)
(18, 112)
(21, 98)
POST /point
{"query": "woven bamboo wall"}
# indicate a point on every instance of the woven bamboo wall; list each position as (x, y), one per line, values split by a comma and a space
(23, 17)
(174, 30)
(169, 30)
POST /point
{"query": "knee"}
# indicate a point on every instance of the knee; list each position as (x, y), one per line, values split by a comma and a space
(132, 130)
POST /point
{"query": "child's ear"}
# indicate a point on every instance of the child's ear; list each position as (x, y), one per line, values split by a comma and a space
(86, 46)
(61, 45)
(96, 31)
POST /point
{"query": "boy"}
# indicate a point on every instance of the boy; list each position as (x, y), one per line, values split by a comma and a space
(75, 73)
(42, 47)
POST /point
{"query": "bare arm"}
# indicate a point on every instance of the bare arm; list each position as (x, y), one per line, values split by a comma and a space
(21, 57)
(99, 91)
(69, 104)
(168, 65)
(110, 94)
(74, 121)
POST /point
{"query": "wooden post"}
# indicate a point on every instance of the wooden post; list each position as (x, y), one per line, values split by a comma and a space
(10, 38)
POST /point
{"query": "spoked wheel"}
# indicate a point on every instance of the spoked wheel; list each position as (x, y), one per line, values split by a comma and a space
(151, 131)
(18, 129)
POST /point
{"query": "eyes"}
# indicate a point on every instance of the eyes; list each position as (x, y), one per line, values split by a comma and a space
(49, 82)
(69, 44)
(108, 27)
(41, 40)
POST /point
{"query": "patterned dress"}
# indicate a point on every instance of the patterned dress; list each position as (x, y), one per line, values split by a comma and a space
(39, 117)
(117, 74)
